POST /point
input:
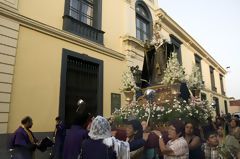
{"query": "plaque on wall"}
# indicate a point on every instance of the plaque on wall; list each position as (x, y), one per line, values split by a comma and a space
(115, 101)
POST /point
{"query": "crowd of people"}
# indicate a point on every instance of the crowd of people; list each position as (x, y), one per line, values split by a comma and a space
(97, 138)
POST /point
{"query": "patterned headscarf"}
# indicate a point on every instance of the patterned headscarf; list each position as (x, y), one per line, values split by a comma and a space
(100, 129)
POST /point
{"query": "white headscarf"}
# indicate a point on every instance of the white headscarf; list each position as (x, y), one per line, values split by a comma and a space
(100, 129)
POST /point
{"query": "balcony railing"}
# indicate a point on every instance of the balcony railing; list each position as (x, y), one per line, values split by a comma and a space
(223, 93)
(79, 28)
(214, 89)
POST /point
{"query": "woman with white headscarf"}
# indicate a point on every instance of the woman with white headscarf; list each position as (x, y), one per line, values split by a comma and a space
(101, 145)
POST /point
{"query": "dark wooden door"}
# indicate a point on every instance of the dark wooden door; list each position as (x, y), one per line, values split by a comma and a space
(226, 107)
(216, 106)
(83, 80)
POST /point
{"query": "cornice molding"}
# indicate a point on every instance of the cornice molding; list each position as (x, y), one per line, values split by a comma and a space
(188, 40)
(57, 33)
(214, 93)
(131, 39)
(133, 47)
(9, 6)
(128, 1)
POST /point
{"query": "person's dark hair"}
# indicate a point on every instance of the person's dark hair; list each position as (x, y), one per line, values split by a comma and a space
(26, 120)
(178, 124)
(209, 119)
(228, 117)
(196, 131)
(209, 133)
(149, 124)
(136, 127)
(91, 115)
(220, 119)
(189, 123)
(225, 128)
(81, 119)
(236, 116)
(58, 118)
(235, 122)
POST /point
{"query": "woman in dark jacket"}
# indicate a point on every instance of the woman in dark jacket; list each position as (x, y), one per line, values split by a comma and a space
(134, 132)
(101, 145)
(194, 142)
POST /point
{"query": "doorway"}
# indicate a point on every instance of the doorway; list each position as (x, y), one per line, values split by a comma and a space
(81, 78)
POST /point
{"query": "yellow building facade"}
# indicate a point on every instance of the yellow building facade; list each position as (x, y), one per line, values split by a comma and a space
(45, 43)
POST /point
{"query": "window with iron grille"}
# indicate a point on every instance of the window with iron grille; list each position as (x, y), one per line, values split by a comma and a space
(142, 31)
(226, 106)
(216, 105)
(221, 83)
(212, 79)
(203, 96)
(143, 22)
(84, 18)
(176, 44)
(198, 63)
(82, 10)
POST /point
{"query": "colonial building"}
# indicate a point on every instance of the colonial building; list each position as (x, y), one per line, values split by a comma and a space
(53, 53)
(234, 105)
(187, 49)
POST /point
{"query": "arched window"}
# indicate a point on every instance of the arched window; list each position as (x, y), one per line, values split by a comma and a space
(144, 27)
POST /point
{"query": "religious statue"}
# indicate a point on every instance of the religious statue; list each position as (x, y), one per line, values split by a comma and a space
(155, 58)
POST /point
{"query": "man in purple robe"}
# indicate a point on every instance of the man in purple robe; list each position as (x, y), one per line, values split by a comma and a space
(75, 136)
(22, 142)
(58, 139)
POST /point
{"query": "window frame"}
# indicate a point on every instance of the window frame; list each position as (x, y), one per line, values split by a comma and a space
(79, 11)
(212, 78)
(203, 96)
(221, 84)
(176, 43)
(216, 105)
(76, 26)
(198, 61)
(226, 106)
(144, 19)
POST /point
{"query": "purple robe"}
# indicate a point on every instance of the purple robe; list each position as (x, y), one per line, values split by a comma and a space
(23, 148)
(57, 148)
(73, 141)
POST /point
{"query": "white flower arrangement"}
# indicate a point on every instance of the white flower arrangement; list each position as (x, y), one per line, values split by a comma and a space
(128, 82)
(195, 111)
(174, 72)
(194, 81)
(198, 111)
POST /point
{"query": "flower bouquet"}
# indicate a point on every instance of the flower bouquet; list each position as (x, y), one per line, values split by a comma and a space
(195, 111)
(128, 82)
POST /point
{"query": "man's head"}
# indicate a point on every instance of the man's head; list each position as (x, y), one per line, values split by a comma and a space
(27, 122)
(58, 120)
(82, 119)
(236, 117)
(211, 138)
